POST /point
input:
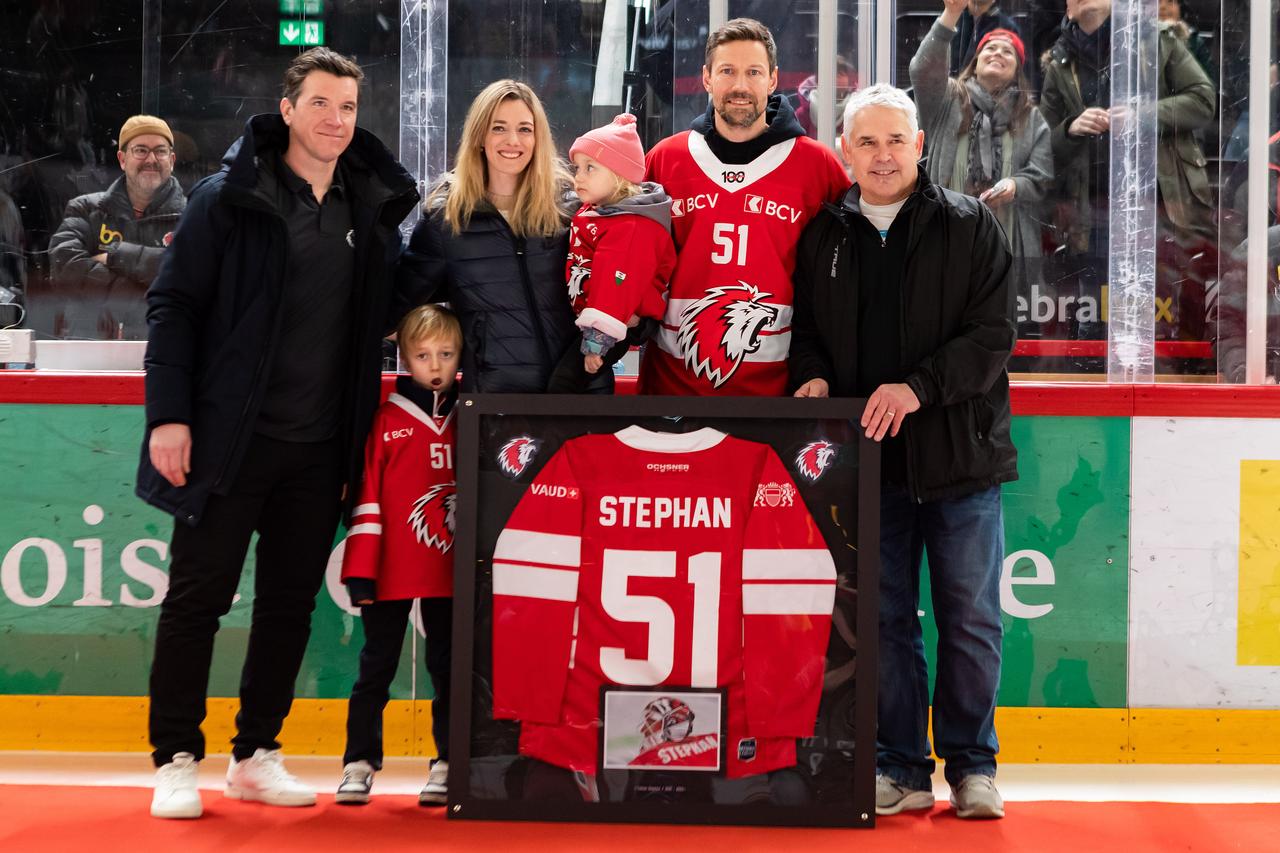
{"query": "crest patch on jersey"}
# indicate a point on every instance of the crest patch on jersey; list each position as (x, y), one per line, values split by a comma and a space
(814, 458)
(516, 455)
(719, 330)
(775, 494)
(747, 749)
(432, 517)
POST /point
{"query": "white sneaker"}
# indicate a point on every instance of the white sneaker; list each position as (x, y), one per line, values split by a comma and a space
(176, 793)
(357, 781)
(436, 791)
(263, 779)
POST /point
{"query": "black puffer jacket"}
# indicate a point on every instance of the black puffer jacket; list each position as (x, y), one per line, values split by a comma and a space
(508, 291)
(955, 330)
(103, 222)
(214, 318)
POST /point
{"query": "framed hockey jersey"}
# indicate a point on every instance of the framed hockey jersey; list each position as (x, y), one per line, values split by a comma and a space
(666, 614)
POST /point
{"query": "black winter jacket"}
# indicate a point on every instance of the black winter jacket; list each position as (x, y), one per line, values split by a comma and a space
(509, 294)
(103, 222)
(213, 316)
(956, 333)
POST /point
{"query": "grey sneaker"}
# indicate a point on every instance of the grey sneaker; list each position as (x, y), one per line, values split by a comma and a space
(357, 781)
(892, 797)
(436, 791)
(976, 797)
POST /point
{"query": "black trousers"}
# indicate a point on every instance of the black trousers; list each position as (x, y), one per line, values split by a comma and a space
(290, 494)
(571, 377)
(384, 627)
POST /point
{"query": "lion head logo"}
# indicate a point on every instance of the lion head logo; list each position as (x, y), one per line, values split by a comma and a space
(432, 517)
(814, 458)
(516, 455)
(717, 331)
(578, 275)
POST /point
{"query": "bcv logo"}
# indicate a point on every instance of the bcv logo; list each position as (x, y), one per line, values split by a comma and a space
(766, 207)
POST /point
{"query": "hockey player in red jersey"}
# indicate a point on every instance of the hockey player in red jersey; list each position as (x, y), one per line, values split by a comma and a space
(744, 182)
(669, 741)
(652, 559)
(620, 253)
(399, 547)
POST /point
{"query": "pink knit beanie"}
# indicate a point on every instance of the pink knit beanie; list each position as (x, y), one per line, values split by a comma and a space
(616, 146)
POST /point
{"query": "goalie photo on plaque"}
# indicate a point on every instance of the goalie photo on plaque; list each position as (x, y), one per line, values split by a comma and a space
(672, 730)
(665, 620)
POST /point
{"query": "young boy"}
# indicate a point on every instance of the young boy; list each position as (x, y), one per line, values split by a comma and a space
(398, 546)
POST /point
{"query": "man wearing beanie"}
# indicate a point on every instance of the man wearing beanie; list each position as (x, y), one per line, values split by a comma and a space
(744, 182)
(108, 247)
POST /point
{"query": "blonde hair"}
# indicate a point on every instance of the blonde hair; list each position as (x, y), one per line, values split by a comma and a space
(425, 323)
(543, 182)
(622, 189)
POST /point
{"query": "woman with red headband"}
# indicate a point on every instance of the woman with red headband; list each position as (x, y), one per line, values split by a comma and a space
(984, 136)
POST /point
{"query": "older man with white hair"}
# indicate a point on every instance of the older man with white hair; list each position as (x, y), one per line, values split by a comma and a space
(902, 296)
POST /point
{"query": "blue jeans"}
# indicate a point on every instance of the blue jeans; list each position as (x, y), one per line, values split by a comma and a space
(964, 539)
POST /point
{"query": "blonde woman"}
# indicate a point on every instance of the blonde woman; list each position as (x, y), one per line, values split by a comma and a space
(493, 241)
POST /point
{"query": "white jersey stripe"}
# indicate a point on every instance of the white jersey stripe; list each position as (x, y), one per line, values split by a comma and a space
(813, 564)
(359, 529)
(533, 582)
(785, 599)
(367, 509)
(528, 546)
(761, 167)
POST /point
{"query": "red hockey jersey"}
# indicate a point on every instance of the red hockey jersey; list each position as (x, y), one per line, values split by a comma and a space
(402, 527)
(648, 559)
(619, 264)
(727, 328)
(698, 751)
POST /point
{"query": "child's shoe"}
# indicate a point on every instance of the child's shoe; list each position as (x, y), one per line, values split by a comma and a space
(357, 781)
(436, 791)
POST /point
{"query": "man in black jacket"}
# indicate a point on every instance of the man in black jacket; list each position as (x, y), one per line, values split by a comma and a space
(266, 323)
(108, 246)
(902, 296)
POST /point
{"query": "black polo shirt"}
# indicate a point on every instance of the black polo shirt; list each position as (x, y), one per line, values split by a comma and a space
(306, 388)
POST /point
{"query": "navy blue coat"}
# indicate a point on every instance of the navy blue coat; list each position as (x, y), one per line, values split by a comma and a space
(213, 319)
(508, 292)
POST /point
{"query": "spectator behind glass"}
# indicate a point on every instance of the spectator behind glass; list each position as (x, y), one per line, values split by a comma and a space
(985, 138)
(108, 248)
(493, 240)
(1076, 103)
(808, 110)
(1171, 13)
(977, 18)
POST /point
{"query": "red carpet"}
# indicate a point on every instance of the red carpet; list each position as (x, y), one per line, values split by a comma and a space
(86, 820)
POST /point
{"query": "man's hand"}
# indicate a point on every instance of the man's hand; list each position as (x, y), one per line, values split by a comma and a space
(951, 10)
(1091, 122)
(170, 450)
(813, 388)
(101, 258)
(886, 408)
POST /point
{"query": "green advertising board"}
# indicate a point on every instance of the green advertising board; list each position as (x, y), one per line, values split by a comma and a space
(1064, 589)
(84, 567)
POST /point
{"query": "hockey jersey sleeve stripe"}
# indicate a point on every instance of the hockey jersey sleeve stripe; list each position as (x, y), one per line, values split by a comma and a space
(367, 509)
(767, 564)
(528, 546)
(532, 582)
(781, 599)
(371, 528)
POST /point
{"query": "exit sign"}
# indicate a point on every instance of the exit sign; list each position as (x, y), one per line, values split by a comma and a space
(302, 33)
(301, 7)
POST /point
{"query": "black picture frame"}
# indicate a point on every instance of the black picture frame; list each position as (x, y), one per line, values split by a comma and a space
(859, 811)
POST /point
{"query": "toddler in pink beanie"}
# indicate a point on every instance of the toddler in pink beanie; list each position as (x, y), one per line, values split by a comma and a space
(620, 255)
